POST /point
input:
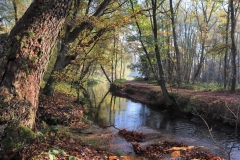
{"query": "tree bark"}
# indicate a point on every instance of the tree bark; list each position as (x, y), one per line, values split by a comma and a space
(161, 80)
(226, 50)
(15, 10)
(26, 56)
(202, 57)
(104, 72)
(233, 47)
(178, 69)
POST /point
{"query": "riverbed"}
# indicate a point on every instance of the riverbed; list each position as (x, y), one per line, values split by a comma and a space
(108, 110)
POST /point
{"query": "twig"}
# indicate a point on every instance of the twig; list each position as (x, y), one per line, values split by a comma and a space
(210, 132)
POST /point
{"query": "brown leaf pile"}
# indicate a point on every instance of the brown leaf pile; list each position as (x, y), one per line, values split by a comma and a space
(71, 146)
(59, 109)
(132, 136)
(158, 150)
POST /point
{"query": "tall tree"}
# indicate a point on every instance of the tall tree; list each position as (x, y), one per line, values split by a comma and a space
(23, 63)
(226, 50)
(71, 34)
(144, 48)
(233, 47)
(204, 27)
(161, 78)
(178, 68)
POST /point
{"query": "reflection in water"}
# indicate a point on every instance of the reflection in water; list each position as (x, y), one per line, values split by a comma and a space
(107, 110)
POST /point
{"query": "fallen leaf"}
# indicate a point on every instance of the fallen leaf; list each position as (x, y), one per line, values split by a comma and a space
(180, 148)
(125, 158)
(113, 157)
(175, 154)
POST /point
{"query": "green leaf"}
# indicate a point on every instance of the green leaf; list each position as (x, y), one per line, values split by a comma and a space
(73, 158)
(51, 156)
(58, 151)
(54, 128)
(40, 134)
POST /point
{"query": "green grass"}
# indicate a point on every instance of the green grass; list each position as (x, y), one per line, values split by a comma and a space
(203, 86)
(65, 88)
(120, 80)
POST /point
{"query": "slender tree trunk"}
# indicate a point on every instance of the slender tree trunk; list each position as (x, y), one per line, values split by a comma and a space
(178, 68)
(161, 79)
(226, 50)
(104, 72)
(15, 10)
(199, 67)
(116, 54)
(121, 66)
(169, 61)
(204, 29)
(112, 68)
(27, 50)
(233, 47)
(219, 71)
(144, 48)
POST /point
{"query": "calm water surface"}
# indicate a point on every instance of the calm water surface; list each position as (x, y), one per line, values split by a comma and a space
(107, 110)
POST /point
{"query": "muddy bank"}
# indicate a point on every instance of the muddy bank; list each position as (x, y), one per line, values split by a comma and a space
(210, 105)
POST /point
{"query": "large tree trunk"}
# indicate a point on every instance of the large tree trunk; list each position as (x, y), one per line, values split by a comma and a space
(26, 56)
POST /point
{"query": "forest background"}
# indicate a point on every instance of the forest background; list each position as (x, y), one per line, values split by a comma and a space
(181, 43)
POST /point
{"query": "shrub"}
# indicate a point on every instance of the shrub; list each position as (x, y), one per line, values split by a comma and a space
(116, 86)
(120, 80)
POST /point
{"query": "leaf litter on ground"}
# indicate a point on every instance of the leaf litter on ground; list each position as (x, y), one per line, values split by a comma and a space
(59, 120)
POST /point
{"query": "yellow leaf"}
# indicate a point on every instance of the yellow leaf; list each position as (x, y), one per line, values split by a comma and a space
(125, 158)
(175, 154)
(119, 158)
(180, 148)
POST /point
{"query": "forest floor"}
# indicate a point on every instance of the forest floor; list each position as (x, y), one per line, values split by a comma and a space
(227, 96)
(63, 132)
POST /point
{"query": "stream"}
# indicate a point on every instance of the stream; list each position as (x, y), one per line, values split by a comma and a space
(106, 110)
